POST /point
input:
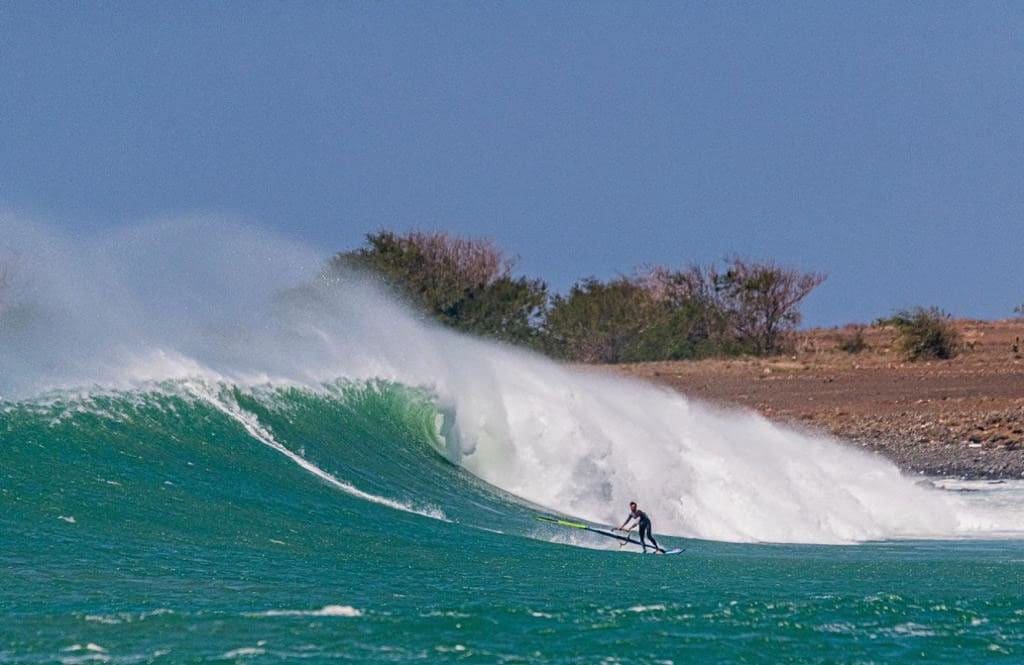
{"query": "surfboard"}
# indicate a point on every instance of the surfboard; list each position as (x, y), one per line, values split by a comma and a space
(608, 534)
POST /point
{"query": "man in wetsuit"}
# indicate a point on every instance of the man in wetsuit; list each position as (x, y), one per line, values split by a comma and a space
(645, 526)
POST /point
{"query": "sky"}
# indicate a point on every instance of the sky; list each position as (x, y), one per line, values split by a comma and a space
(880, 143)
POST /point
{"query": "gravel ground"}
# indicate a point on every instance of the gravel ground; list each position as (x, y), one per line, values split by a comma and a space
(962, 417)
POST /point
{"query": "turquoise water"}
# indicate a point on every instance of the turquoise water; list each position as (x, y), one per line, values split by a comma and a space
(186, 522)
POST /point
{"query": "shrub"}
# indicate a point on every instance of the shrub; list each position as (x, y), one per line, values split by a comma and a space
(464, 283)
(924, 333)
(855, 343)
(748, 306)
(763, 301)
(693, 295)
(652, 317)
(658, 315)
(607, 322)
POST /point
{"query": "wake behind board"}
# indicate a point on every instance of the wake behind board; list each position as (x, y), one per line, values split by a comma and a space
(621, 538)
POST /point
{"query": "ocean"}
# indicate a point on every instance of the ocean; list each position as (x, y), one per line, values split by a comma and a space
(161, 526)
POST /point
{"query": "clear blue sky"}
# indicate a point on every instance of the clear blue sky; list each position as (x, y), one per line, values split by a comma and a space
(882, 143)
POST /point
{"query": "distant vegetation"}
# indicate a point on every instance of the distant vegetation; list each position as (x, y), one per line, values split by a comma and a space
(924, 333)
(623, 320)
(657, 314)
(855, 343)
(465, 284)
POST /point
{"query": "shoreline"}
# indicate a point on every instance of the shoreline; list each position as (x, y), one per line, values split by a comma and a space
(961, 418)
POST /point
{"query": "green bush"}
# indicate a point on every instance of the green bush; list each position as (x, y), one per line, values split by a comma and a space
(633, 320)
(603, 322)
(925, 333)
(464, 283)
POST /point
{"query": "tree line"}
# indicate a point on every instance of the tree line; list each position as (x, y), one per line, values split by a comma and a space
(658, 313)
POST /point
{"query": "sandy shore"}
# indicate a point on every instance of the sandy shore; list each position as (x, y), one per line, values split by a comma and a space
(962, 417)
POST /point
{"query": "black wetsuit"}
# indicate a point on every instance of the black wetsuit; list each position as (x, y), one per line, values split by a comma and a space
(645, 529)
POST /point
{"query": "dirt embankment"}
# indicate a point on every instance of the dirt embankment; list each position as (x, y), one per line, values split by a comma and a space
(962, 417)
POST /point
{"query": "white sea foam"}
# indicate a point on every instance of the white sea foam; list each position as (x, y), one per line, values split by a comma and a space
(85, 653)
(91, 646)
(219, 303)
(325, 611)
(126, 617)
(244, 652)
